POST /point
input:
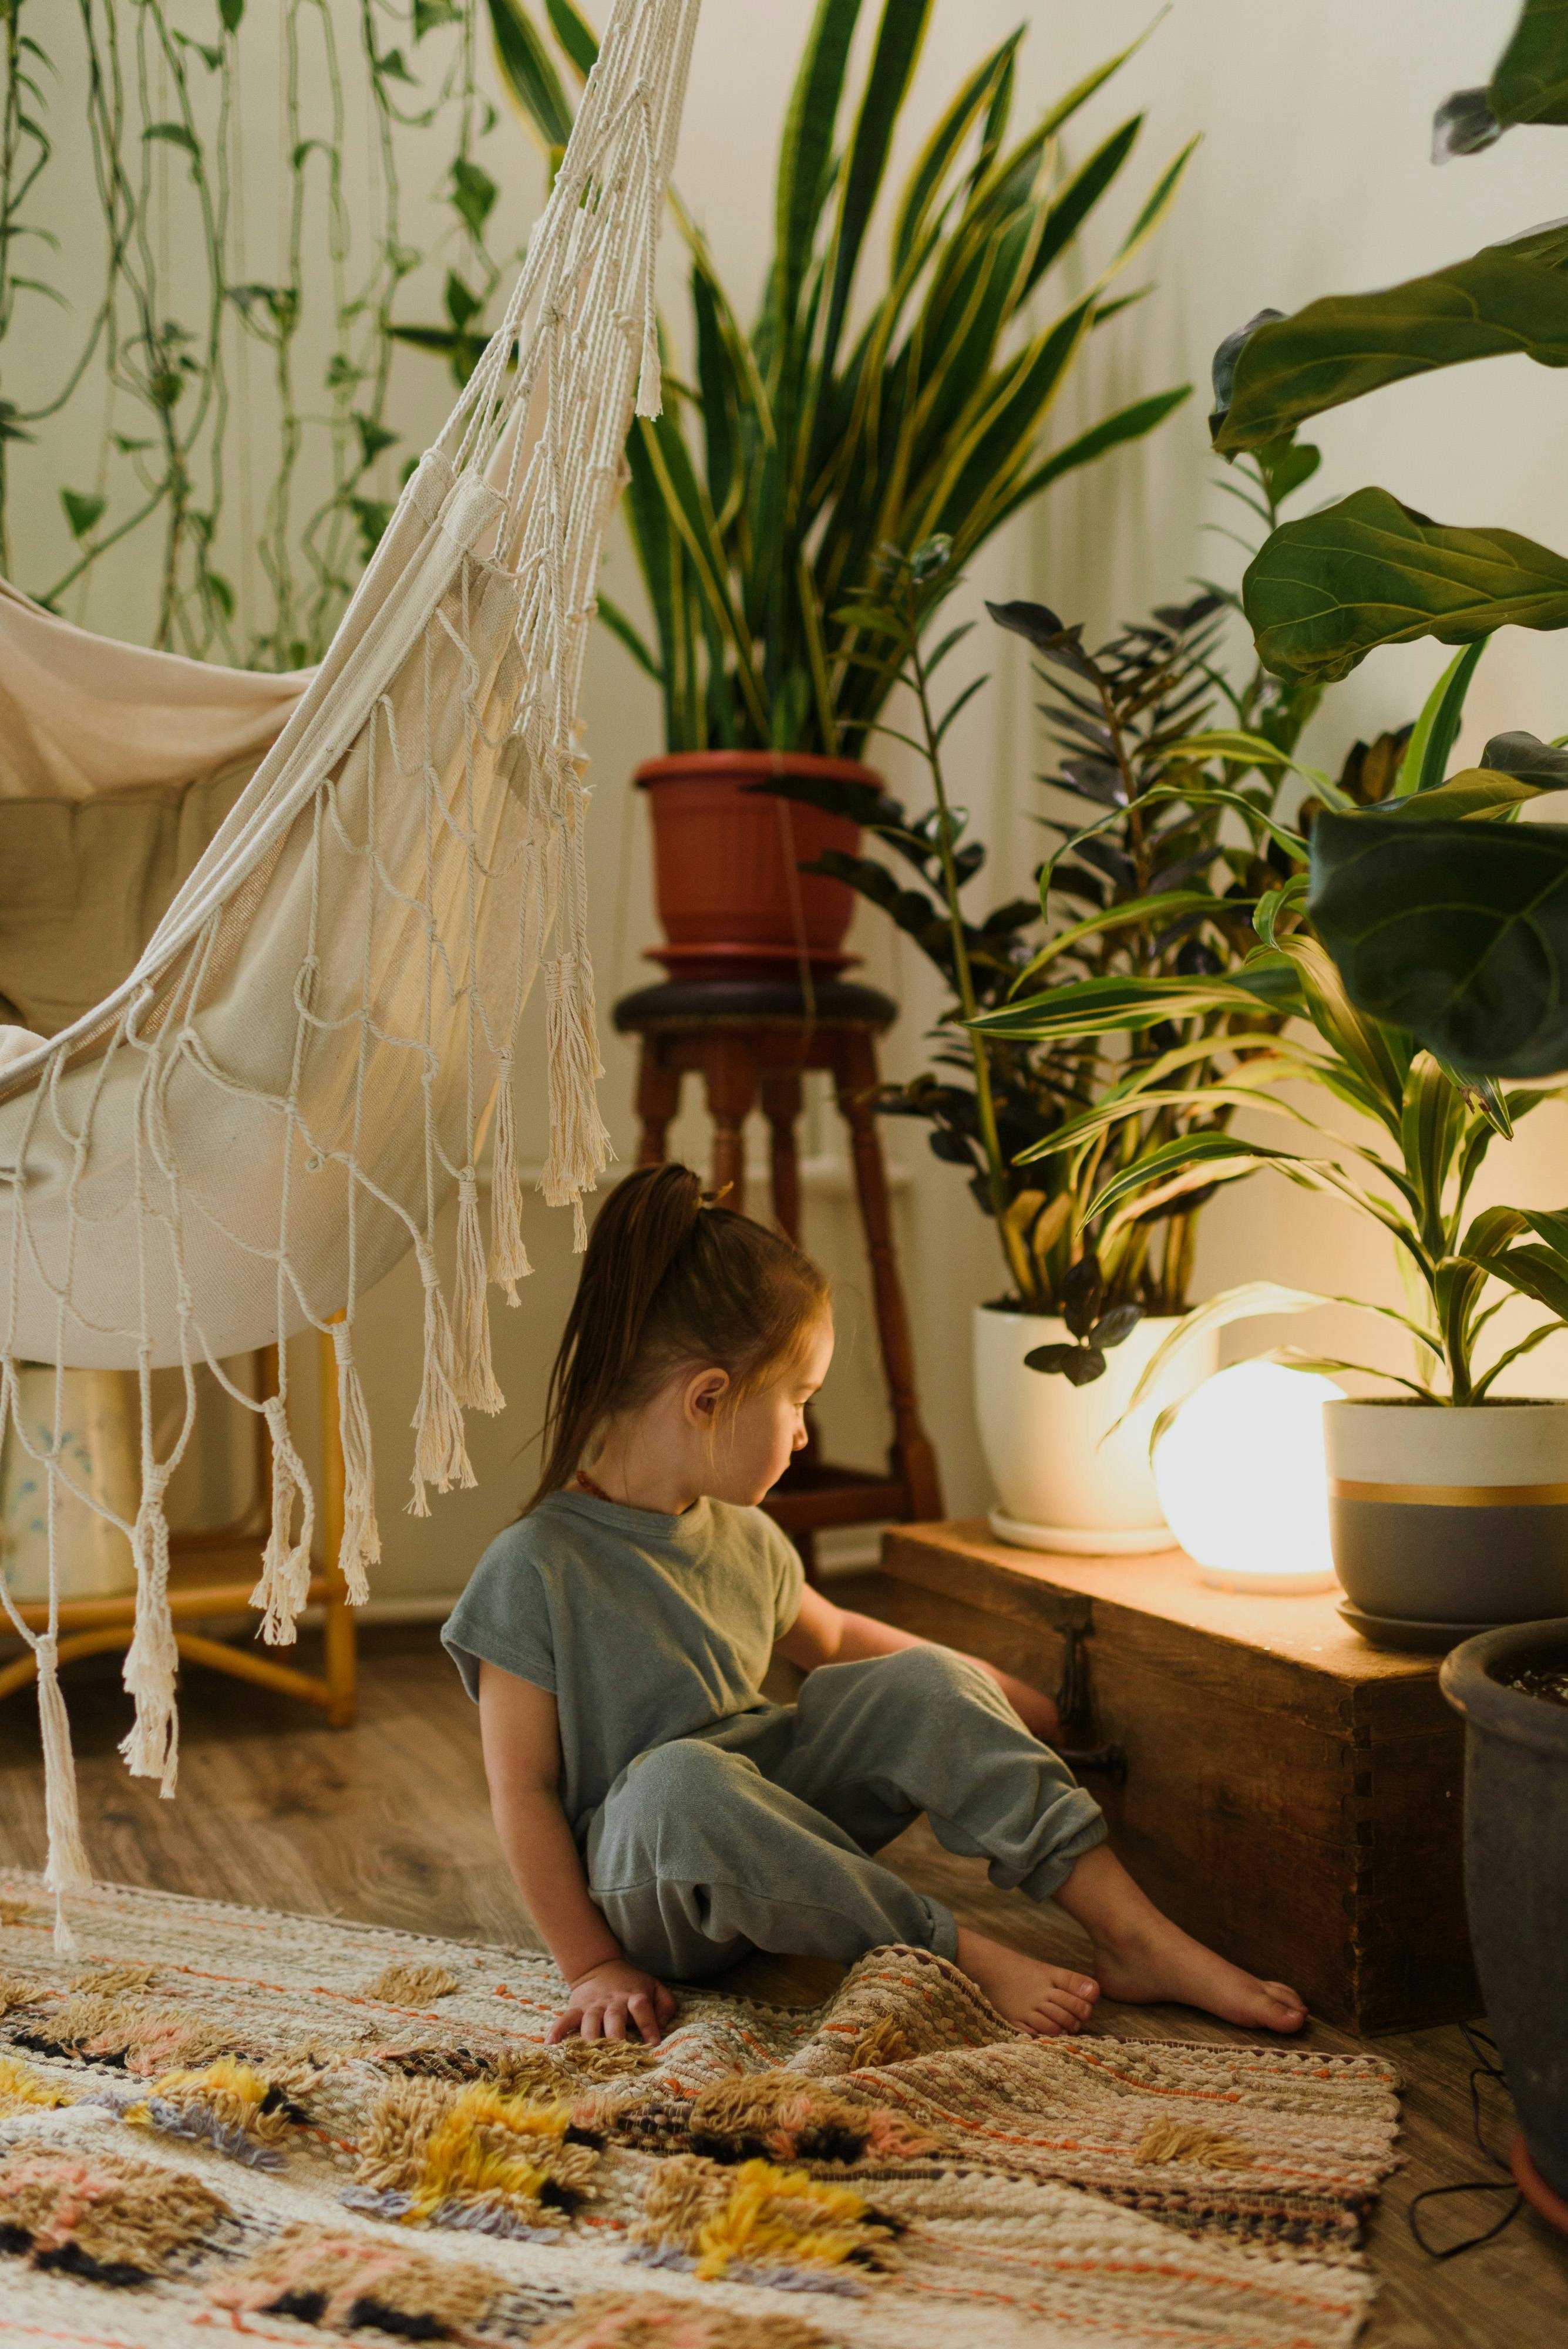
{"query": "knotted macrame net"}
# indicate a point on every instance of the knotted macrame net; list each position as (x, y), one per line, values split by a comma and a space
(273, 1106)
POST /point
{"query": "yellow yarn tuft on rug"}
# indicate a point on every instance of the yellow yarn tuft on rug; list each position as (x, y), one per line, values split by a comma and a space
(22, 2088)
(759, 2217)
(16, 1990)
(353, 2280)
(612, 2320)
(887, 2041)
(115, 2219)
(430, 2148)
(411, 1985)
(1192, 2141)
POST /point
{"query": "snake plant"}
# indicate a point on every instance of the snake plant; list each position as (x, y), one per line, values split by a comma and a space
(857, 409)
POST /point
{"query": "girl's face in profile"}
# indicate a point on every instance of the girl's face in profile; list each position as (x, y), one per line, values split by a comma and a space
(753, 1444)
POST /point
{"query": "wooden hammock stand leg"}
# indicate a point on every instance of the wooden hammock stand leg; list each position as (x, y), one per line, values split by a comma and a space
(215, 1574)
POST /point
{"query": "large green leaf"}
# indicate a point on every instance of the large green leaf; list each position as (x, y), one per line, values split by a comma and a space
(1458, 932)
(1323, 592)
(1537, 1272)
(922, 191)
(1435, 732)
(1092, 1007)
(575, 33)
(1072, 205)
(1242, 1304)
(1507, 299)
(805, 155)
(1530, 83)
(527, 74)
(898, 39)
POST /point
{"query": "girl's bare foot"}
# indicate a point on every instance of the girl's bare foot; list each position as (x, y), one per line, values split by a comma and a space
(1167, 1963)
(1141, 1957)
(1040, 1998)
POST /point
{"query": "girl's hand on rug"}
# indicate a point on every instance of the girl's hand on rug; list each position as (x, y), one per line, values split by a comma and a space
(615, 2001)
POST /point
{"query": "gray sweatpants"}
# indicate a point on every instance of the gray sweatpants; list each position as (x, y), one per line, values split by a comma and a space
(759, 1835)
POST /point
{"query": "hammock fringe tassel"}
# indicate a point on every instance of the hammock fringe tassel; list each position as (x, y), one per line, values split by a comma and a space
(361, 1547)
(284, 1589)
(508, 1257)
(579, 1139)
(152, 1748)
(475, 1378)
(440, 1453)
(67, 1871)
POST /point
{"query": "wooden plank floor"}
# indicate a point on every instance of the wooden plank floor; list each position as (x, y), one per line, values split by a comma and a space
(389, 1822)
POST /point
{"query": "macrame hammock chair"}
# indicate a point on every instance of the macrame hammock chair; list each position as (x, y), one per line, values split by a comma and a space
(248, 1130)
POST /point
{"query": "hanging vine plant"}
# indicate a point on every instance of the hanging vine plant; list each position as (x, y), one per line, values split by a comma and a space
(197, 366)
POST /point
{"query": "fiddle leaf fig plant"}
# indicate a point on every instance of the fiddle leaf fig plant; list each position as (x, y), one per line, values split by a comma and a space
(1445, 914)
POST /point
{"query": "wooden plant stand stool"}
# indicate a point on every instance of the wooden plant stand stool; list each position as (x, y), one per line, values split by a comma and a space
(1286, 1793)
(752, 1039)
(214, 1573)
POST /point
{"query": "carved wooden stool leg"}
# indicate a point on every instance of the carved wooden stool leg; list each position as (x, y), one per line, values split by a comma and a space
(658, 1099)
(729, 1073)
(781, 1105)
(855, 1075)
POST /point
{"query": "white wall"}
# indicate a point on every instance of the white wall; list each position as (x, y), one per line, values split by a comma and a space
(1311, 176)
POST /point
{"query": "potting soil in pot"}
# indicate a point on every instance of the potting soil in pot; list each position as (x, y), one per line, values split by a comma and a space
(1549, 1682)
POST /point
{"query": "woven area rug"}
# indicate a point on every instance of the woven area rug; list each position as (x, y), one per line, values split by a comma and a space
(217, 2120)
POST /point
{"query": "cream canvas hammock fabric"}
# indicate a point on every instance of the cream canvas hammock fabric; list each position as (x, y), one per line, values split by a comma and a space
(273, 1105)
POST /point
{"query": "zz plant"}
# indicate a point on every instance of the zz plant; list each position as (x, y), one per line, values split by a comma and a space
(1147, 888)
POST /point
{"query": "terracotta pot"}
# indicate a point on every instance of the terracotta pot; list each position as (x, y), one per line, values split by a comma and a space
(731, 896)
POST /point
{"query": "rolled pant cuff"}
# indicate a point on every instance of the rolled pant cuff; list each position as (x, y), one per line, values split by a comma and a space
(1051, 1872)
(943, 1942)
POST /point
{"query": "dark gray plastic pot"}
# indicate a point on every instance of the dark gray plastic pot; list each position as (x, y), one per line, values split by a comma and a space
(1516, 1870)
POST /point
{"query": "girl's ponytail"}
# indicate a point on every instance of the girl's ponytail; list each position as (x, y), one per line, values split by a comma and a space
(669, 1279)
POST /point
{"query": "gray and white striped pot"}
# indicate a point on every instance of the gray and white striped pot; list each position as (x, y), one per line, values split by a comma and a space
(1451, 1516)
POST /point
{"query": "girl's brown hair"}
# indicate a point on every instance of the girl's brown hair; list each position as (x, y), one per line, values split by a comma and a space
(668, 1281)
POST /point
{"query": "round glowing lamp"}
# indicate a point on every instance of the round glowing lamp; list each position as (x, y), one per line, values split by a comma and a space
(1240, 1477)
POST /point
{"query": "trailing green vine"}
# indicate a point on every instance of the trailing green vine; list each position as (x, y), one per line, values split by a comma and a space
(201, 368)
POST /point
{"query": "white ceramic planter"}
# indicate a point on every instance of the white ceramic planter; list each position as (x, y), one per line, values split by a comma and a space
(1061, 1483)
(1444, 1516)
(92, 1556)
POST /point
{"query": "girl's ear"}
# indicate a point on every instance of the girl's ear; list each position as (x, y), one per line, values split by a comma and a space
(705, 1390)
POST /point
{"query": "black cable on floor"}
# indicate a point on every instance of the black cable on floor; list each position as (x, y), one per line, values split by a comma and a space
(1483, 2047)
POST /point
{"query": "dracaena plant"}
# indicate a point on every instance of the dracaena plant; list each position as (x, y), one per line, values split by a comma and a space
(863, 405)
(1454, 927)
(1428, 1129)
(1146, 888)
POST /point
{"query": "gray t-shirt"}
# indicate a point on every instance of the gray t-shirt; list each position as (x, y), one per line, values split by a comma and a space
(643, 1627)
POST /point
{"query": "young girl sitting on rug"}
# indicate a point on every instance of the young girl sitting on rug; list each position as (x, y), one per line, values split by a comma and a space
(660, 1815)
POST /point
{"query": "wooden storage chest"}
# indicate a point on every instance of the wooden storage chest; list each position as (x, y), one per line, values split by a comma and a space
(1292, 1795)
